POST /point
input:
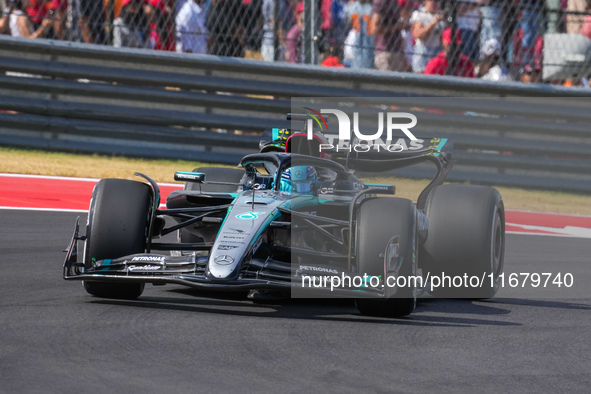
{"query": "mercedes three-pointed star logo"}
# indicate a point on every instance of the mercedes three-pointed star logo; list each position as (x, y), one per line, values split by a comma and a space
(224, 259)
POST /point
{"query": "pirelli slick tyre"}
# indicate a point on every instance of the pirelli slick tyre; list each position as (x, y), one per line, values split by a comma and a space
(379, 220)
(466, 237)
(117, 226)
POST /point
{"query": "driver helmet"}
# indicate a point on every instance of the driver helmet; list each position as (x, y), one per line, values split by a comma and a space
(298, 179)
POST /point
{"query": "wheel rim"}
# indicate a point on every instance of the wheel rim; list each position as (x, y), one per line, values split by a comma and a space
(497, 246)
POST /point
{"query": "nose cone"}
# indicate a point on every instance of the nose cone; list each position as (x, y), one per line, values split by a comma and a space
(222, 266)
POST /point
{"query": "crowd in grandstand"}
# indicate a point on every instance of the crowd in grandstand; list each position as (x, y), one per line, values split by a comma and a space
(495, 40)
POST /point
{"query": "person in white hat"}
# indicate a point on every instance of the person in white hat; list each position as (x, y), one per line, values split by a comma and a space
(489, 67)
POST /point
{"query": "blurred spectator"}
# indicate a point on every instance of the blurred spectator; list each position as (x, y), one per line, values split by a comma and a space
(178, 4)
(332, 28)
(489, 67)
(569, 83)
(334, 22)
(130, 30)
(190, 28)
(293, 52)
(427, 26)
(586, 28)
(530, 74)
(326, 15)
(21, 26)
(4, 28)
(490, 28)
(360, 14)
(406, 10)
(333, 59)
(468, 21)
(574, 22)
(529, 25)
(267, 46)
(349, 48)
(253, 26)
(37, 11)
(385, 27)
(438, 65)
(533, 55)
(88, 21)
(225, 22)
(509, 21)
(58, 12)
(161, 36)
(384, 33)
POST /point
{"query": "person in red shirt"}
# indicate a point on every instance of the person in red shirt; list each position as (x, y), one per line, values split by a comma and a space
(159, 17)
(438, 65)
(37, 11)
(333, 59)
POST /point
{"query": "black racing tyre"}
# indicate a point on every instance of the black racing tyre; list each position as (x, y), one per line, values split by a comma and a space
(378, 221)
(466, 237)
(217, 174)
(117, 226)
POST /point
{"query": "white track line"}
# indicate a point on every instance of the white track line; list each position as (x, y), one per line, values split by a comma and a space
(65, 178)
(45, 209)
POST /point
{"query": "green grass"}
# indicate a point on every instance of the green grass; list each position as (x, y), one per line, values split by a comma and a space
(30, 161)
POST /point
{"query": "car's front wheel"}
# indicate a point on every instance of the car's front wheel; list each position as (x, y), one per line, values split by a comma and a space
(387, 226)
(117, 226)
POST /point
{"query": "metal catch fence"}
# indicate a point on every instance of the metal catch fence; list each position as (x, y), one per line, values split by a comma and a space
(136, 102)
(498, 40)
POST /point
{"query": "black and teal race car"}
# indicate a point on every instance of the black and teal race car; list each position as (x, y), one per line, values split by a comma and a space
(289, 221)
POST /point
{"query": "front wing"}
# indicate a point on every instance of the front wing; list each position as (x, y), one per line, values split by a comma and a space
(190, 270)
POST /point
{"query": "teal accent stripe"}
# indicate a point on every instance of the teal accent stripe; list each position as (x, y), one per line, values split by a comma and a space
(377, 185)
(226, 217)
(440, 146)
(275, 135)
(106, 262)
(190, 173)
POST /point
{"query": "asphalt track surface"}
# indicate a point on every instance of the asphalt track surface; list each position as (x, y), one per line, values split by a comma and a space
(56, 338)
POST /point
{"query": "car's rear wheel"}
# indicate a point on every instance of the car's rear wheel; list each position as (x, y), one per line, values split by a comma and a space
(466, 237)
(117, 226)
(379, 220)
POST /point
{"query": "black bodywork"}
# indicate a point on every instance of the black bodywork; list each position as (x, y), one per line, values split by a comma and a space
(219, 247)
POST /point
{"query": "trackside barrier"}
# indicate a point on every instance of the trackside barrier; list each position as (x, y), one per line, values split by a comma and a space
(70, 96)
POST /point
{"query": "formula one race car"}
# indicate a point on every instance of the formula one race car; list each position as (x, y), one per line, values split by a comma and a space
(284, 219)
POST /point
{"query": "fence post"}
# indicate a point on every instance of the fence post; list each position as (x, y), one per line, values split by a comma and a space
(277, 22)
(309, 41)
(450, 10)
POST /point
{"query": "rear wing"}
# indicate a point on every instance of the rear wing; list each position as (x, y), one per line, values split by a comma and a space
(377, 156)
(373, 156)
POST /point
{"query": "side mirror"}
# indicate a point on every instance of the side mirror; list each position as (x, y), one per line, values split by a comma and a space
(197, 177)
